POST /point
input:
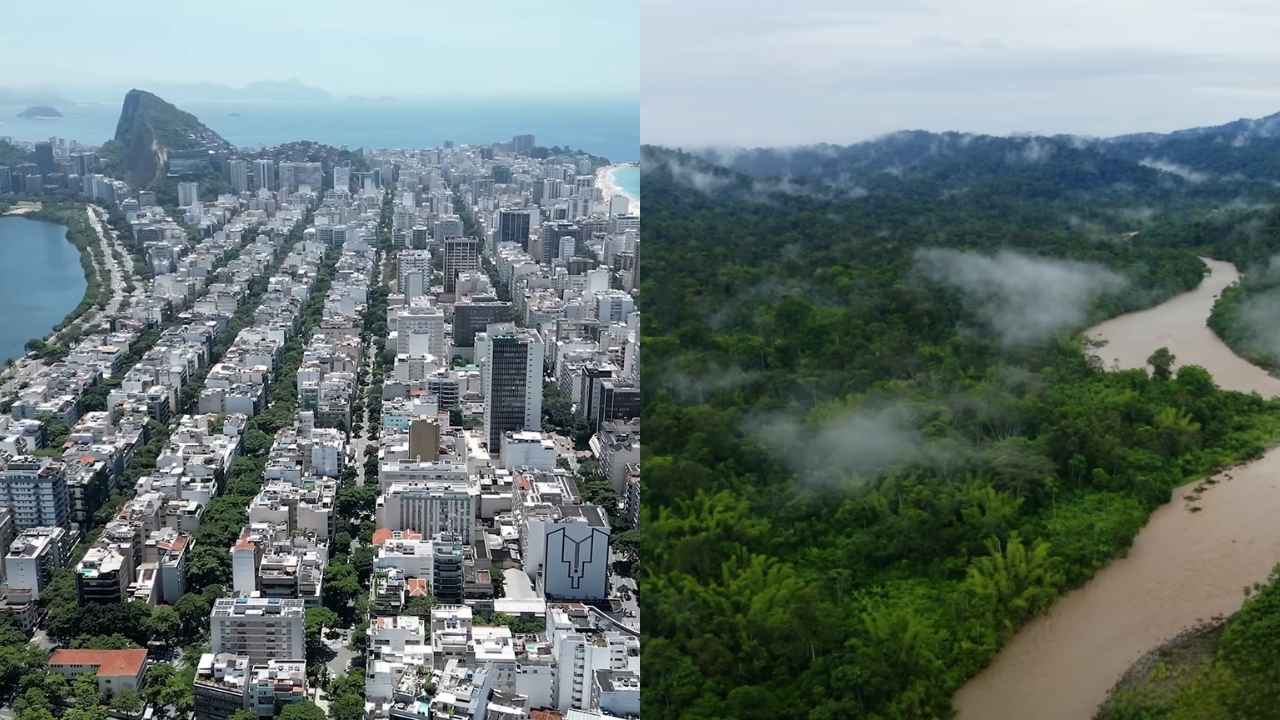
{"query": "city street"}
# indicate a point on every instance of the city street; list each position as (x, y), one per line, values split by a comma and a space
(361, 440)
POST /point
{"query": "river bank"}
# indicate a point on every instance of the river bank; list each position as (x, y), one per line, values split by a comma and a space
(1187, 564)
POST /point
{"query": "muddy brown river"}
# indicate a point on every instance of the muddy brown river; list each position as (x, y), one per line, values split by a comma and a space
(1183, 567)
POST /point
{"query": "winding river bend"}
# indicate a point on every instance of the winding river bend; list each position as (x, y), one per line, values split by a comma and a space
(1183, 567)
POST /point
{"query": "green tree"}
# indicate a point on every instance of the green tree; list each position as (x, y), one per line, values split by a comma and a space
(126, 701)
(302, 710)
(114, 641)
(362, 561)
(193, 614)
(85, 693)
(341, 586)
(419, 606)
(347, 707)
(1012, 581)
(342, 543)
(317, 620)
(164, 624)
(1161, 362)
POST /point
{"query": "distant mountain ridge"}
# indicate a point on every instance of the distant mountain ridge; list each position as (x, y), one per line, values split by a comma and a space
(1244, 152)
(291, 90)
(150, 130)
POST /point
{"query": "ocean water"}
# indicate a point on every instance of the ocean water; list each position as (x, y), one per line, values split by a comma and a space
(40, 281)
(607, 128)
(628, 178)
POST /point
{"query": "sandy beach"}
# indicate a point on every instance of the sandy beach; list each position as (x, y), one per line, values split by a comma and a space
(609, 188)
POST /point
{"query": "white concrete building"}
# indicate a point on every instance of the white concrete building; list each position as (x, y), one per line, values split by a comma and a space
(429, 508)
(260, 628)
(527, 449)
(32, 558)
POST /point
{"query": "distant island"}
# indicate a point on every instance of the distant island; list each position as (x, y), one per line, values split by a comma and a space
(39, 112)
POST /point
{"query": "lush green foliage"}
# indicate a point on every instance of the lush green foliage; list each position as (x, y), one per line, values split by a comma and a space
(1240, 679)
(773, 581)
(1244, 315)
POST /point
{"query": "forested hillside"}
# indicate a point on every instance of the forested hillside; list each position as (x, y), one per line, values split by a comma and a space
(1221, 162)
(872, 451)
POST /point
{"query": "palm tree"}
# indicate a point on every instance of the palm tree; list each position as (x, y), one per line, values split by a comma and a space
(1014, 581)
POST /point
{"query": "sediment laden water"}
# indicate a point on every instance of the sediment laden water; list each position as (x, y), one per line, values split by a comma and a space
(1183, 567)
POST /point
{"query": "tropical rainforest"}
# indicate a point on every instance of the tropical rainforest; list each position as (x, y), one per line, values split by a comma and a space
(859, 479)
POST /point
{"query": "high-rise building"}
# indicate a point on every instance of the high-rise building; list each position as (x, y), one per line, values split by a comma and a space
(225, 684)
(513, 226)
(286, 179)
(415, 271)
(614, 400)
(260, 628)
(522, 144)
(546, 250)
(265, 173)
(568, 247)
(44, 158)
(419, 236)
(103, 575)
(188, 194)
(551, 188)
(84, 163)
(33, 557)
(573, 558)
(473, 315)
(428, 507)
(513, 385)
(461, 254)
(36, 490)
(310, 174)
(424, 440)
(238, 170)
(342, 179)
(584, 641)
(447, 226)
(420, 327)
(614, 306)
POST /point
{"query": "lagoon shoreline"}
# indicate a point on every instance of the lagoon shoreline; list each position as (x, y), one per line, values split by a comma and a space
(75, 306)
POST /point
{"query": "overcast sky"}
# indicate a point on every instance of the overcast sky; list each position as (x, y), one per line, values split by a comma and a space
(404, 48)
(736, 72)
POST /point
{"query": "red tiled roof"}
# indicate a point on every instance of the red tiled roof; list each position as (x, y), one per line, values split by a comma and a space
(382, 535)
(111, 663)
(416, 587)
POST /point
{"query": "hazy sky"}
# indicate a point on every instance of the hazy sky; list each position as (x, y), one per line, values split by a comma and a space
(736, 72)
(570, 48)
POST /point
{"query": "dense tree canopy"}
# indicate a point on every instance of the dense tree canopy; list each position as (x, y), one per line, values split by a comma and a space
(985, 479)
